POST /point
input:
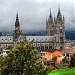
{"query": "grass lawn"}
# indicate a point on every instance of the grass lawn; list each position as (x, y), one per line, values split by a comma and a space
(66, 71)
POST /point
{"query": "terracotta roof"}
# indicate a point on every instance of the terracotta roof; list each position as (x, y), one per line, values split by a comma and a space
(52, 50)
(69, 51)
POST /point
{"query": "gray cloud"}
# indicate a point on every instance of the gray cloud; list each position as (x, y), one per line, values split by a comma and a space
(33, 13)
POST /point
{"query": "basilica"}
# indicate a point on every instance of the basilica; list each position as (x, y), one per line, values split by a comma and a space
(54, 38)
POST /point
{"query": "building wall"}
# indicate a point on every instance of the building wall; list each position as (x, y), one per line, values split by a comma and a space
(50, 55)
(6, 39)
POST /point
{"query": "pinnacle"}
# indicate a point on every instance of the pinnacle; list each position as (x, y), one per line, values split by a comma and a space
(50, 13)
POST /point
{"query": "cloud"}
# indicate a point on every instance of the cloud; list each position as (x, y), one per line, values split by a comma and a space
(33, 13)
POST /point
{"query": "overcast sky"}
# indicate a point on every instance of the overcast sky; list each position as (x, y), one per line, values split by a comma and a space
(33, 13)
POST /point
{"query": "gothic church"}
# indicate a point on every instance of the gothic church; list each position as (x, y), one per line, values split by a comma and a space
(54, 38)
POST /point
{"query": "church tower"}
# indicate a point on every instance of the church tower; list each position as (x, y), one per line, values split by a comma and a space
(17, 27)
(50, 26)
(59, 30)
(16, 31)
(55, 27)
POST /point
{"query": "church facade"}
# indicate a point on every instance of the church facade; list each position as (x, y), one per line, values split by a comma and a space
(55, 27)
(54, 38)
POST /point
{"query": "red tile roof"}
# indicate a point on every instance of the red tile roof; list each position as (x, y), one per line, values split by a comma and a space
(69, 51)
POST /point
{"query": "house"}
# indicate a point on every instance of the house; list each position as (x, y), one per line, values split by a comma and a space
(48, 55)
(67, 53)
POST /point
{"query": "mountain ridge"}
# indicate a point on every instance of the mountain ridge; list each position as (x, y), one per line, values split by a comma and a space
(69, 34)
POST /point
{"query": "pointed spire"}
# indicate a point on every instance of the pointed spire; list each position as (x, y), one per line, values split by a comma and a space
(50, 13)
(50, 20)
(17, 20)
(54, 18)
(46, 22)
(59, 13)
(17, 16)
(59, 9)
(63, 18)
(17, 26)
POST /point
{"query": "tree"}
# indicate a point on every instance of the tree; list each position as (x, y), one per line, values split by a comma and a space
(72, 61)
(6, 63)
(9, 46)
(64, 60)
(54, 58)
(22, 60)
(3, 66)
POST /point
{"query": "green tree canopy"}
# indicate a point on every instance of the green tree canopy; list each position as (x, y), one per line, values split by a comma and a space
(22, 61)
(72, 61)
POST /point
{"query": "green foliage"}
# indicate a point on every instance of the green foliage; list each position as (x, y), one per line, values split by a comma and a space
(64, 60)
(21, 60)
(72, 61)
(54, 58)
(9, 46)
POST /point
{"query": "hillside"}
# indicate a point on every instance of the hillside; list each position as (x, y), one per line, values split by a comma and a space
(70, 35)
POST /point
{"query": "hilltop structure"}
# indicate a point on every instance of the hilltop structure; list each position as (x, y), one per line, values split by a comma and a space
(54, 39)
